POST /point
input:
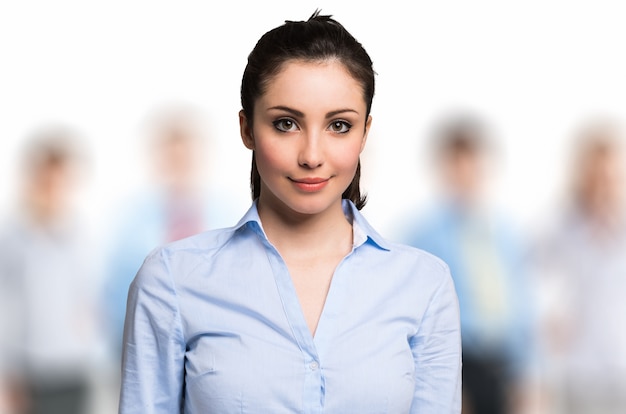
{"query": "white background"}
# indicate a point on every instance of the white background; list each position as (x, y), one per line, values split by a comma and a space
(533, 69)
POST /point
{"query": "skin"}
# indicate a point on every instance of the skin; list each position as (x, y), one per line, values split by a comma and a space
(177, 159)
(49, 190)
(308, 131)
(601, 186)
(462, 173)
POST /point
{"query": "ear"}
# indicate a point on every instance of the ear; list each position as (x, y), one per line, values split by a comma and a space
(368, 124)
(245, 131)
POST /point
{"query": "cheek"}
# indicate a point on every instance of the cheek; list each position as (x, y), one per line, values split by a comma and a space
(347, 157)
(270, 157)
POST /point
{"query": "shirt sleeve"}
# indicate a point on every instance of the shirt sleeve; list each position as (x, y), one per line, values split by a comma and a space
(154, 346)
(437, 354)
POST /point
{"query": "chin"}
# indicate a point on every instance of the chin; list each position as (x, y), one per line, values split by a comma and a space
(310, 206)
(291, 203)
(308, 209)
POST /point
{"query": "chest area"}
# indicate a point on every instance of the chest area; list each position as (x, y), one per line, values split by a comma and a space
(312, 280)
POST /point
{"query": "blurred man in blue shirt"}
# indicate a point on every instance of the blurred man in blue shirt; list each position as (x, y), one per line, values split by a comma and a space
(485, 260)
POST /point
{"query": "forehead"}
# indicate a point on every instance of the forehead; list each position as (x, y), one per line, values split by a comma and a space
(320, 81)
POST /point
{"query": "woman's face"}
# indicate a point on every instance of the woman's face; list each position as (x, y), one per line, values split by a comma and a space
(309, 129)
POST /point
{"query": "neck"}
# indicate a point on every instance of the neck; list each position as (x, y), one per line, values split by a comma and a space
(307, 234)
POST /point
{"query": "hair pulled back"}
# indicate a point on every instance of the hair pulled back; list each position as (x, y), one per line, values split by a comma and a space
(319, 38)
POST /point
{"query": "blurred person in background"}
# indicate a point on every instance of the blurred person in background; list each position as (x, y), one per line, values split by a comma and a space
(177, 202)
(48, 283)
(580, 264)
(485, 256)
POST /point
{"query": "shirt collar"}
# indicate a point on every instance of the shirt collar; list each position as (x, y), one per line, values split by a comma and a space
(363, 232)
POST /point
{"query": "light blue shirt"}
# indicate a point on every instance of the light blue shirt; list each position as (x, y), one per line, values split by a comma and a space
(214, 326)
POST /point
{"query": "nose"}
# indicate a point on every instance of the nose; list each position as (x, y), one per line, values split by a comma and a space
(311, 152)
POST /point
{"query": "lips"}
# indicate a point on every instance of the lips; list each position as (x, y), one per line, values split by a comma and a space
(310, 184)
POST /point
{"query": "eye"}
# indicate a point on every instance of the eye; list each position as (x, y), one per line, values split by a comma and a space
(340, 127)
(285, 125)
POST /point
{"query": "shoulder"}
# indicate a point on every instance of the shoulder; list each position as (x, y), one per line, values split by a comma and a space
(199, 247)
(426, 278)
(419, 260)
(16, 237)
(412, 270)
(201, 252)
(169, 267)
(398, 258)
(412, 279)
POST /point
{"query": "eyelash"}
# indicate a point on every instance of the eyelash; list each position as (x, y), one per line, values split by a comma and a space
(342, 123)
(277, 124)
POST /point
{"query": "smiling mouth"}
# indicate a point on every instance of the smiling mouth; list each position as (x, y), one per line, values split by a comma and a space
(310, 185)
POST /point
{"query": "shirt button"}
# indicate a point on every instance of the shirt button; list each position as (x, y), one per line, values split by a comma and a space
(313, 365)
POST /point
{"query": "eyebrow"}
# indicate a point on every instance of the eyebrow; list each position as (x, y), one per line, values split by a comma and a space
(297, 113)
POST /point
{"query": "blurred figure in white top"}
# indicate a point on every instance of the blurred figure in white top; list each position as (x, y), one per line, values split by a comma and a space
(48, 282)
(581, 275)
